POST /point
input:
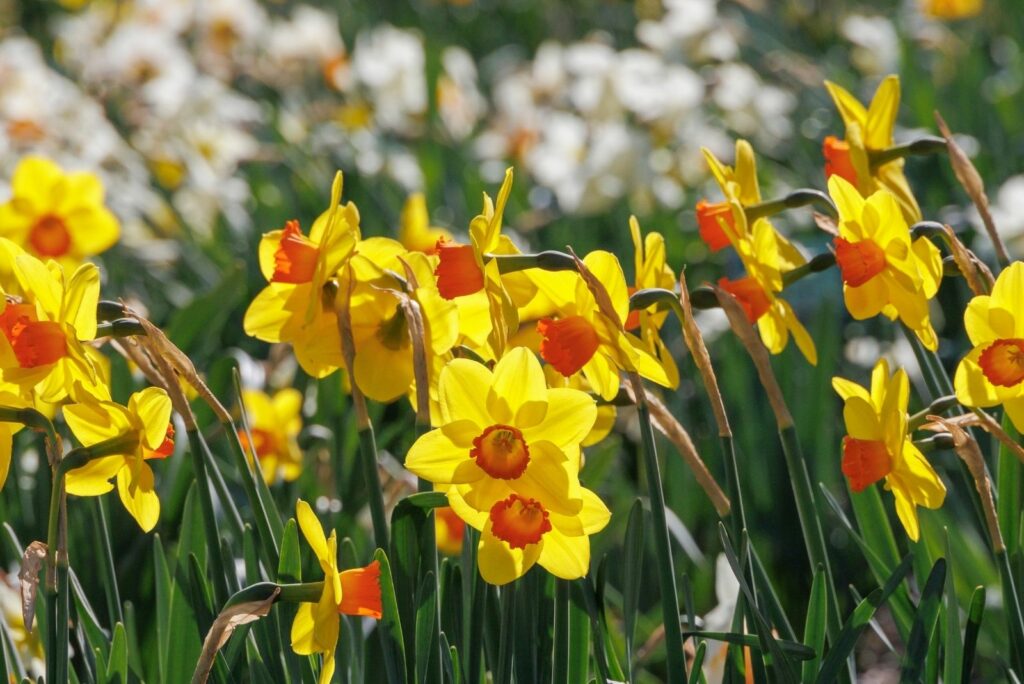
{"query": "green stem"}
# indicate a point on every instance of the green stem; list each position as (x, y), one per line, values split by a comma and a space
(676, 663)
(798, 198)
(368, 460)
(508, 628)
(218, 568)
(548, 261)
(107, 562)
(926, 145)
(818, 263)
(560, 652)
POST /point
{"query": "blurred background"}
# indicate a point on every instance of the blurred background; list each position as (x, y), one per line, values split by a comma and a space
(213, 121)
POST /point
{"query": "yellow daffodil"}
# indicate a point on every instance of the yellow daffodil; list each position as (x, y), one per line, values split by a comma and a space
(448, 531)
(869, 130)
(274, 423)
(883, 270)
(505, 431)
(145, 425)
(518, 531)
(349, 592)
(41, 333)
(383, 364)
(651, 269)
(877, 445)
(993, 372)
(57, 215)
(415, 232)
(581, 338)
(297, 306)
(952, 9)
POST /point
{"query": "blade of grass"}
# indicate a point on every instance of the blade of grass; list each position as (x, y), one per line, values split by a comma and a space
(952, 664)
(814, 626)
(974, 616)
(390, 627)
(916, 655)
(632, 578)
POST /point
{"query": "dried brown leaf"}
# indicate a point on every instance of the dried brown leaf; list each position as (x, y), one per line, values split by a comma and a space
(31, 563)
(699, 351)
(222, 628)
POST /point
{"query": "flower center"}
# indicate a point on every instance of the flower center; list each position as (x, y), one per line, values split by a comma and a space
(35, 342)
(837, 160)
(708, 217)
(1002, 362)
(518, 521)
(749, 293)
(859, 261)
(865, 462)
(501, 452)
(457, 271)
(295, 258)
(166, 447)
(567, 343)
(49, 237)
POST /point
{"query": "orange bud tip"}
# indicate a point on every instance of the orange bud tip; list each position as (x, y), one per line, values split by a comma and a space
(360, 591)
(458, 273)
(519, 521)
(295, 258)
(749, 293)
(865, 462)
(1002, 362)
(567, 343)
(709, 222)
(837, 160)
(859, 262)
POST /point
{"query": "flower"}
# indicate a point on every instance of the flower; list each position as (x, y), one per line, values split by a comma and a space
(651, 270)
(867, 131)
(877, 445)
(146, 430)
(297, 306)
(352, 592)
(581, 338)
(415, 232)
(952, 9)
(448, 530)
(274, 423)
(883, 270)
(505, 432)
(57, 215)
(41, 333)
(993, 372)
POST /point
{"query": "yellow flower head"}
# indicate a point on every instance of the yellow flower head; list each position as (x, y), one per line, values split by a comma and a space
(274, 423)
(57, 215)
(145, 425)
(993, 372)
(883, 270)
(869, 130)
(877, 445)
(352, 592)
(952, 9)
(41, 333)
(581, 338)
(297, 305)
(383, 364)
(415, 232)
(651, 270)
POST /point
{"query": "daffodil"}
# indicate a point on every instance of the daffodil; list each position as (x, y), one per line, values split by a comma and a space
(993, 372)
(581, 338)
(448, 531)
(57, 215)
(349, 592)
(145, 426)
(415, 232)
(297, 306)
(883, 270)
(505, 431)
(383, 365)
(877, 445)
(274, 423)
(42, 332)
(869, 130)
(952, 9)
(651, 269)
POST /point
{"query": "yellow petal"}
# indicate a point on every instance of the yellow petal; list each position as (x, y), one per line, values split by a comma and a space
(867, 300)
(382, 373)
(569, 418)
(153, 408)
(882, 112)
(518, 394)
(1015, 411)
(270, 317)
(551, 478)
(800, 335)
(93, 479)
(848, 199)
(608, 271)
(602, 375)
(972, 387)
(96, 422)
(312, 530)
(861, 420)
(565, 557)
(850, 109)
(138, 495)
(80, 299)
(462, 392)
(473, 517)
(499, 563)
(848, 388)
(746, 174)
(36, 278)
(5, 451)
(303, 628)
(435, 457)
(594, 516)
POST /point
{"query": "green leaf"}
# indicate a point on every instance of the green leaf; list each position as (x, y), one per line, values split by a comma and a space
(858, 621)
(426, 624)
(924, 623)
(953, 661)
(87, 620)
(974, 616)
(390, 627)
(1010, 484)
(794, 648)
(289, 569)
(814, 627)
(407, 522)
(427, 500)
(632, 577)
(117, 665)
(696, 669)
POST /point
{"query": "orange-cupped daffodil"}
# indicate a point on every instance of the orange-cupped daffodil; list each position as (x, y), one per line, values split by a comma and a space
(651, 269)
(297, 306)
(274, 423)
(415, 232)
(581, 338)
(877, 445)
(350, 592)
(883, 269)
(42, 332)
(869, 130)
(145, 425)
(993, 372)
(56, 215)
(504, 431)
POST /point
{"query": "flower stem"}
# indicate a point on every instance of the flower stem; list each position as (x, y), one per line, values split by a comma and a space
(106, 556)
(508, 628)
(926, 145)
(213, 545)
(798, 198)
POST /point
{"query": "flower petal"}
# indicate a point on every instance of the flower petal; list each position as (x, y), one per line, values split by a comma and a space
(435, 457)
(312, 530)
(499, 563)
(565, 557)
(153, 408)
(137, 491)
(518, 394)
(570, 417)
(93, 479)
(462, 391)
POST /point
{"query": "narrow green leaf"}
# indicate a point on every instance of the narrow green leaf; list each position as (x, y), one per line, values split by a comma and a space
(952, 664)
(390, 627)
(407, 522)
(427, 500)
(426, 624)
(814, 627)
(632, 578)
(974, 616)
(924, 623)
(579, 643)
(290, 567)
(696, 669)
(1010, 484)
(87, 620)
(794, 648)
(615, 670)
(117, 665)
